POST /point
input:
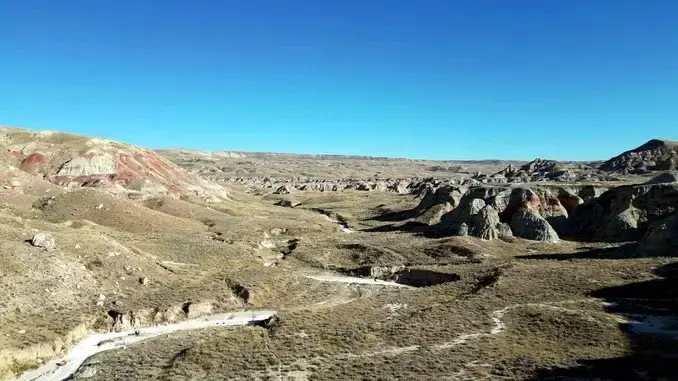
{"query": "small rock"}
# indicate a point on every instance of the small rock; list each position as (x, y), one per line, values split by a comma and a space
(89, 372)
(463, 229)
(22, 331)
(100, 206)
(44, 240)
(143, 280)
(100, 303)
(77, 246)
(102, 297)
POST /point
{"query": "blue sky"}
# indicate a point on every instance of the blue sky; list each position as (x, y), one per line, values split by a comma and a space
(443, 79)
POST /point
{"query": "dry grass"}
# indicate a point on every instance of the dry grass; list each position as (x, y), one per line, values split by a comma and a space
(190, 253)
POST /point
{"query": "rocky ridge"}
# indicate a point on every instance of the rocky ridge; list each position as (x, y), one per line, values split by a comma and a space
(641, 212)
(655, 155)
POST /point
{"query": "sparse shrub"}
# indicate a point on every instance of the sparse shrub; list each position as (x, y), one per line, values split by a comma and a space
(19, 367)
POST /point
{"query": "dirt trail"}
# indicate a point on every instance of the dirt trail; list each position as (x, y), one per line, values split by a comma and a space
(354, 280)
(63, 368)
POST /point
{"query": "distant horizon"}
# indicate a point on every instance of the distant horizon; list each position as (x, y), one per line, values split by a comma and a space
(368, 156)
(330, 154)
(573, 80)
(335, 154)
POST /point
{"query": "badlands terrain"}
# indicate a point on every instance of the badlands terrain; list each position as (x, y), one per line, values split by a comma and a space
(122, 263)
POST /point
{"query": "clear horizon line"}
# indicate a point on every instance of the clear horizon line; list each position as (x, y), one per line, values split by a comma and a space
(371, 157)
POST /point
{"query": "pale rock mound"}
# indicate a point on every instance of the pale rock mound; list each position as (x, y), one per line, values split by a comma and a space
(44, 240)
(473, 217)
(462, 215)
(528, 223)
(285, 189)
(504, 230)
(88, 166)
(486, 224)
(434, 214)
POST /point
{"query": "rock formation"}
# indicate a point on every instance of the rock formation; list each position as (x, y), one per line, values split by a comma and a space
(536, 212)
(486, 224)
(624, 213)
(655, 155)
(77, 161)
(527, 223)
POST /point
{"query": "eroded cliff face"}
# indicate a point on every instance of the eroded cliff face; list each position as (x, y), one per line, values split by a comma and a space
(546, 213)
(624, 213)
(74, 161)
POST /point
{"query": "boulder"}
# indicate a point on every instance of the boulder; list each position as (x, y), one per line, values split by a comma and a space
(433, 214)
(485, 224)
(44, 240)
(462, 230)
(463, 214)
(451, 194)
(399, 187)
(283, 190)
(504, 230)
(288, 203)
(529, 224)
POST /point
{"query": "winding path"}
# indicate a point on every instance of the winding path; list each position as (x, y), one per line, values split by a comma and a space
(354, 280)
(64, 367)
